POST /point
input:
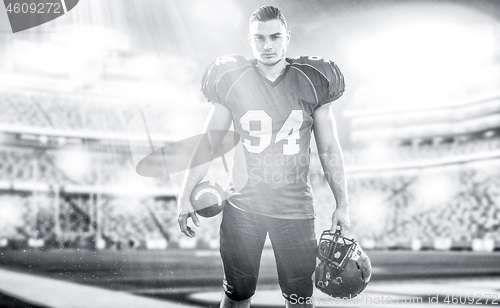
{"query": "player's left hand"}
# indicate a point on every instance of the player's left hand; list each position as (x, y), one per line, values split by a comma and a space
(340, 219)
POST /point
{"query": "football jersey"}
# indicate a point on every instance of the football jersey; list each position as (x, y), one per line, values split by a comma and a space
(274, 121)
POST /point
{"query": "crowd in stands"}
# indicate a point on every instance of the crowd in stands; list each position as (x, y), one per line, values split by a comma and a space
(391, 208)
(57, 111)
(90, 113)
(25, 164)
(19, 165)
(376, 97)
(25, 215)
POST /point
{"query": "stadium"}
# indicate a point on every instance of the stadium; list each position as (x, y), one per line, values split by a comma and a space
(85, 98)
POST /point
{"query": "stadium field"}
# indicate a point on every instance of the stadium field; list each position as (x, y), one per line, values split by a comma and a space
(175, 275)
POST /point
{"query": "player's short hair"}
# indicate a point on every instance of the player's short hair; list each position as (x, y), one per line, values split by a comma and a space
(266, 13)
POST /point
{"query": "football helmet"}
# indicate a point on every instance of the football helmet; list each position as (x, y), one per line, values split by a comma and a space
(344, 269)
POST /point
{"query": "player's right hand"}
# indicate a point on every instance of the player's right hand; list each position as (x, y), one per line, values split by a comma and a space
(340, 219)
(184, 211)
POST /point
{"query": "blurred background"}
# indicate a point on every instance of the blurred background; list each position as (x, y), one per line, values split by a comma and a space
(419, 125)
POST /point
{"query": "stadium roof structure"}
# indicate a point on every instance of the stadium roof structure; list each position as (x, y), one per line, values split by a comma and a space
(444, 118)
(491, 158)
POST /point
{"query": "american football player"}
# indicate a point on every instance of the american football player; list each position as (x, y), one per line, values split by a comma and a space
(274, 103)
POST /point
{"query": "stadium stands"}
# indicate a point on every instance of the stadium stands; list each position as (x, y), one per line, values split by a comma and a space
(432, 149)
(65, 112)
(71, 191)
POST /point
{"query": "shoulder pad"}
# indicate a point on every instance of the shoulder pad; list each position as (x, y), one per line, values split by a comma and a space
(325, 72)
(231, 61)
(319, 63)
(217, 69)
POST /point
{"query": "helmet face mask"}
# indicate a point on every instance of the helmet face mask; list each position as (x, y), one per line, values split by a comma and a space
(344, 270)
(335, 249)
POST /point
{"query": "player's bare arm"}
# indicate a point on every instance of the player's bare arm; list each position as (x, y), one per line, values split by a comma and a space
(330, 153)
(219, 118)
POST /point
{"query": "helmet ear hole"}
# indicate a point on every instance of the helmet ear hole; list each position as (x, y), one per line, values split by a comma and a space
(339, 280)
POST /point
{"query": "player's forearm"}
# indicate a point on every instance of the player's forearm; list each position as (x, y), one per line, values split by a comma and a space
(218, 120)
(192, 177)
(199, 164)
(332, 161)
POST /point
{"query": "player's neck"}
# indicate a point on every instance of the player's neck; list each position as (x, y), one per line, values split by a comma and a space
(272, 72)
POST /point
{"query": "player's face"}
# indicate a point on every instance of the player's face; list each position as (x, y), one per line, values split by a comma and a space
(269, 40)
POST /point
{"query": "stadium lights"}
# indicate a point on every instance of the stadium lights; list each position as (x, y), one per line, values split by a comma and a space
(43, 139)
(11, 215)
(74, 163)
(218, 15)
(188, 243)
(434, 188)
(101, 38)
(370, 210)
(68, 48)
(415, 244)
(156, 243)
(487, 244)
(420, 62)
(47, 57)
(381, 151)
(127, 180)
(147, 66)
(61, 141)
